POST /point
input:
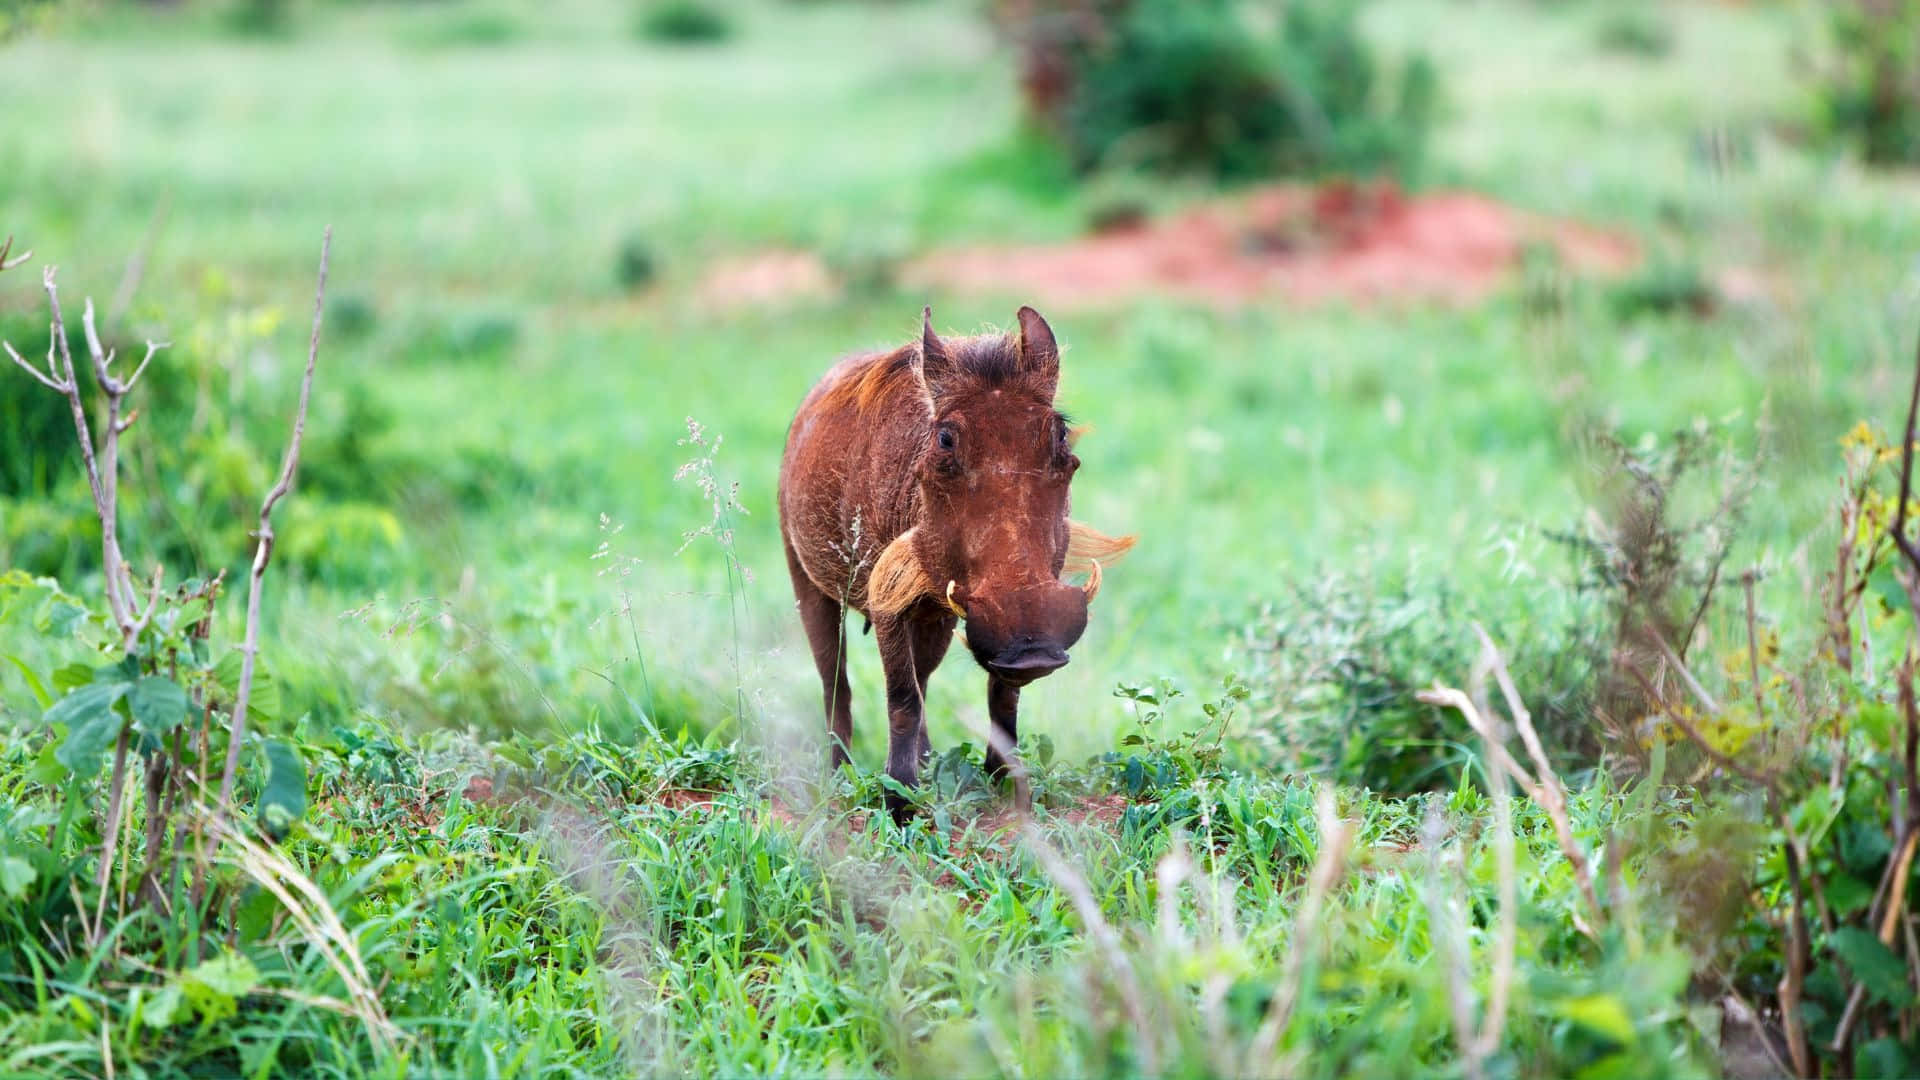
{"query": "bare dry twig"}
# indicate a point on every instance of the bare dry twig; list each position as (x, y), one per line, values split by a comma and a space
(17, 260)
(263, 550)
(1546, 790)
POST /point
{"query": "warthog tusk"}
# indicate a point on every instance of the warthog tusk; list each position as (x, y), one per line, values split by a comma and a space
(1092, 586)
(953, 605)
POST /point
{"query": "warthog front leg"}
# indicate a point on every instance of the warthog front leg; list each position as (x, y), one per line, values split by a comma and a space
(906, 710)
(1003, 735)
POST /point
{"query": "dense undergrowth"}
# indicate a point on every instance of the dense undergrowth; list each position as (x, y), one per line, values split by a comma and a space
(675, 907)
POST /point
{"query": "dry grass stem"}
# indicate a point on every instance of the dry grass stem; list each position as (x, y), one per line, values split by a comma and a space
(1119, 967)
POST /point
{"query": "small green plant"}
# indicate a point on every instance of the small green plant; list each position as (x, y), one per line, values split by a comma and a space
(684, 22)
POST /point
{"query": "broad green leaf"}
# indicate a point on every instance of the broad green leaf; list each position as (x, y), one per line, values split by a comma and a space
(1882, 1057)
(47, 768)
(125, 670)
(512, 754)
(71, 676)
(283, 800)
(158, 704)
(33, 682)
(166, 1008)
(59, 618)
(16, 874)
(1878, 967)
(91, 722)
(1887, 587)
(1602, 1014)
(1879, 721)
(1847, 894)
(228, 973)
(264, 704)
(215, 986)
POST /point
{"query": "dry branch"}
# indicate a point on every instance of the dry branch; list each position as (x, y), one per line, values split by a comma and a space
(263, 550)
(17, 260)
(1546, 790)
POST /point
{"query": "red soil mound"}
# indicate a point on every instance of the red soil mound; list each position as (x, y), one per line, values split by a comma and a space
(1297, 244)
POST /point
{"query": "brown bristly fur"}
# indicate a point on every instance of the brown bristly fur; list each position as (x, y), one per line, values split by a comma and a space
(898, 579)
(1087, 545)
(870, 383)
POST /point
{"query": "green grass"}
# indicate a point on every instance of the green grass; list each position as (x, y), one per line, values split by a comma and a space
(483, 167)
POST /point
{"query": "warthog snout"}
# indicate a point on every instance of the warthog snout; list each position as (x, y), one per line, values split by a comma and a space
(1020, 636)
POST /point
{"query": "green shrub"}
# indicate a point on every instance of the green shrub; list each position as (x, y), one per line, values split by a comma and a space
(1197, 85)
(1665, 287)
(1333, 666)
(352, 316)
(635, 265)
(262, 18)
(684, 22)
(1634, 30)
(1870, 87)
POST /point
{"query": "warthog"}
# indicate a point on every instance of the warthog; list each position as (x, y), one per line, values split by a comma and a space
(925, 486)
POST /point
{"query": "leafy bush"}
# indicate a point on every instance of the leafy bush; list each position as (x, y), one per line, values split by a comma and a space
(684, 22)
(1200, 85)
(1870, 85)
(1634, 30)
(1334, 664)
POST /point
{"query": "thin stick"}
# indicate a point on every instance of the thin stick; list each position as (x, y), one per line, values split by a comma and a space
(1792, 982)
(116, 811)
(1553, 794)
(263, 551)
(8, 264)
(1899, 530)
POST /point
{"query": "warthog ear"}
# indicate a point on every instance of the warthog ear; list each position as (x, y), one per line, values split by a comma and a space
(1039, 356)
(897, 579)
(936, 364)
(1087, 545)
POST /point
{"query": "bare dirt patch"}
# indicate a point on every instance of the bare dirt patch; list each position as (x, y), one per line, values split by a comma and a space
(1340, 243)
(1288, 243)
(767, 277)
